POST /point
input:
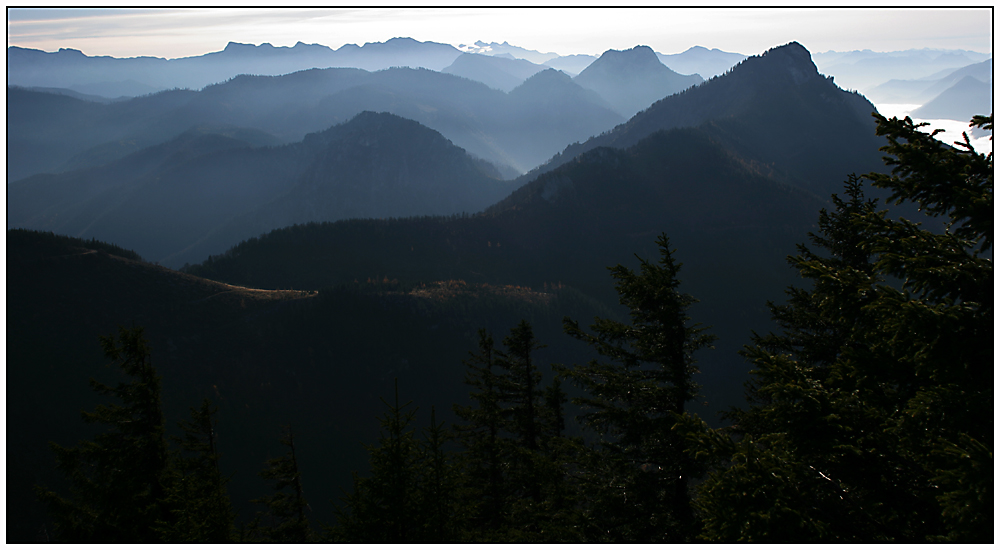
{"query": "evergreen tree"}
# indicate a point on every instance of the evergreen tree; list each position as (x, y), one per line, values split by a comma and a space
(519, 392)
(436, 501)
(870, 415)
(939, 325)
(543, 505)
(482, 462)
(197, 497)
(803, 439)
(118, 479)
(514, 474)
(286, 507)
(383, 507)
(637, 477)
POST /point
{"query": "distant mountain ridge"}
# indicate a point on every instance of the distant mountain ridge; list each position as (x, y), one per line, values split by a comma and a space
(774, 108)
(46, 131)
(701, 61)
(199, 193)
(68, 68)
(516, 52)
(922, 90)
(865, 69)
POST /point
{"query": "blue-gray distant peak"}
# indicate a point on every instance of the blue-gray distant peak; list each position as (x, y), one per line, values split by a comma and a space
(631, 80)
(637, 57)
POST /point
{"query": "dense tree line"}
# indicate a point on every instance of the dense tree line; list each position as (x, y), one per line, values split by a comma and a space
(868, 415)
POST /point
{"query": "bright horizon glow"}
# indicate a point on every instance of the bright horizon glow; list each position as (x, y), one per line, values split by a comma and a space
(185, 32)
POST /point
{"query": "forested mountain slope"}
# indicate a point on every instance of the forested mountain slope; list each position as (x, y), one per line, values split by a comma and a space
(317, 361)
(731, 223)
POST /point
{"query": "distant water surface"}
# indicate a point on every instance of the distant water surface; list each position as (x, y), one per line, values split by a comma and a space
(952, 128)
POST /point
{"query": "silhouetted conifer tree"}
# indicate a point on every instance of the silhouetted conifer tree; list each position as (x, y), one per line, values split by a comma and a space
(870, 415)
(384, 506)
(637, 477)
(482, 463)
(197, 498)
(514, 478)
(437, 502)
(118, 479)
(285, 519)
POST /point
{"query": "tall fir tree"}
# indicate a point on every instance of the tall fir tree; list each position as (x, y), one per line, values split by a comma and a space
(519, 392)
(384, 507)
(639, 473)
(437, 503)
(285, 519)
(119, 479)
(482, 464)
(197, 497)
(513, 467)
(870, 415)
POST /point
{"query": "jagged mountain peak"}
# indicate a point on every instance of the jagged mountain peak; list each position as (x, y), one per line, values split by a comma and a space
(791, 59)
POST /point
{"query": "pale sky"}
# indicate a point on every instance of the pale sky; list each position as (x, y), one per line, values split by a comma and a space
(182, 32)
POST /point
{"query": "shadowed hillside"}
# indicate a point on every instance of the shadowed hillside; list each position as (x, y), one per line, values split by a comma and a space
(317, 360)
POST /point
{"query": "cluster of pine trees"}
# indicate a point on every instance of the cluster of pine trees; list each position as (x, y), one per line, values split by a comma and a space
(869, 413)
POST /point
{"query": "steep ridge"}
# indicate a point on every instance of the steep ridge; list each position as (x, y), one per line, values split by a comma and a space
(774, 108)
(631, 80)
(169, 201)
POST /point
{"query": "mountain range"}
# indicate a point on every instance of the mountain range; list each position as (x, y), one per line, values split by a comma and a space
(515, 131)
(758, 110)
(202, 191)
(922, 90)
(112, 77)
(384, 198)
(864, 69)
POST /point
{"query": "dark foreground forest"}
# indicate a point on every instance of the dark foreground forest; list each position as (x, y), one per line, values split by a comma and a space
(868, 415)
